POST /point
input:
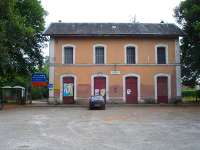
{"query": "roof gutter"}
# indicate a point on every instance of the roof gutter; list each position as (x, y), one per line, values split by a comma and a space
(115, 35)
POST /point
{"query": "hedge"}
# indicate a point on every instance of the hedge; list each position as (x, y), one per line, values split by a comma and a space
(191, 93)
(39, 93)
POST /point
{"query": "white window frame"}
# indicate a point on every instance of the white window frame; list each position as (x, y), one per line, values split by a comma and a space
(136, 53)
(63, 53)
(169, 85)
(166, 53)
(105, 53)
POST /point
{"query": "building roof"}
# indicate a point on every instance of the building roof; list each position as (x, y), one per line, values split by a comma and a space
(113, 29)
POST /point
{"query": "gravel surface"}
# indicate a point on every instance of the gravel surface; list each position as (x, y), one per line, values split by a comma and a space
(116, 128)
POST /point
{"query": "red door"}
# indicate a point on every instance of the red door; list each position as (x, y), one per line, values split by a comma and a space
(131, 90)
(68, 90)
(100, 86)
(162, 89)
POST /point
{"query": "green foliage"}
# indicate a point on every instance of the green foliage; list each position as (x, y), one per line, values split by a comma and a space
(39, 93)
(188, 16)
(21, 40)
(25, 81)
(198, 93)
(15, 79)
(188, 93)
(21, 26)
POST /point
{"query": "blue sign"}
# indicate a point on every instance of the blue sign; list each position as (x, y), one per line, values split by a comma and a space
(39, 77)
(50, 86)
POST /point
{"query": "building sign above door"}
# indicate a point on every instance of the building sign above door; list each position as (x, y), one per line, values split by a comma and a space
(115, 72)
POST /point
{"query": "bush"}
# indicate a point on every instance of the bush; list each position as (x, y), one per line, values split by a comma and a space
(39, 93)
(189, 93)
(198, 93)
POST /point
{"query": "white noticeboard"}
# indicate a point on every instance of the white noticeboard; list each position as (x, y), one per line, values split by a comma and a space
(115, 72)
(96, 92)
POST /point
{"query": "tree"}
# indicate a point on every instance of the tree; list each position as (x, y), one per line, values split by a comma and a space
(21, 26)
(188, 16)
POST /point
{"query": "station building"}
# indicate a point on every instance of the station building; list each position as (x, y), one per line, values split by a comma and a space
(124, 62)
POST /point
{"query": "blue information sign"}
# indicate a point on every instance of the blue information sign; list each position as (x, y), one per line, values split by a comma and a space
(50, 86)
(39, 77)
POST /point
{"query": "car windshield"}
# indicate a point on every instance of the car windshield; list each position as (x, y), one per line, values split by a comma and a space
(97, 98)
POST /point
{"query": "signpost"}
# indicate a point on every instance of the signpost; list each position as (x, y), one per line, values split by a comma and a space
(39, 79)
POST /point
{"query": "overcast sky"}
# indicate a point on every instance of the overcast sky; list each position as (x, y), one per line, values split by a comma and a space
(145, 11)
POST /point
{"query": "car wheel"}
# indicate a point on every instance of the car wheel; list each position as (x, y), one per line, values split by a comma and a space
(103, 107)
(90, 108)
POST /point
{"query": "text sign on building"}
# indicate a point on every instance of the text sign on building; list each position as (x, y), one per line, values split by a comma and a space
(115, 72)
(50, 86)
(39, 79)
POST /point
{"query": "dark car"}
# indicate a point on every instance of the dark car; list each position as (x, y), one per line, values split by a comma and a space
(97, 102)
